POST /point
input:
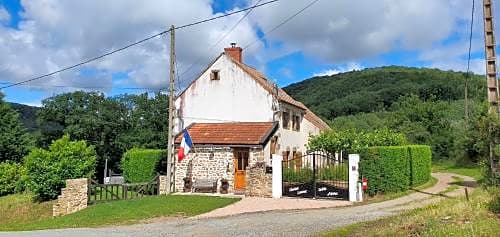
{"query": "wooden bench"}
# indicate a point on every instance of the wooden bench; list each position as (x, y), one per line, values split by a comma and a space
(205, 184)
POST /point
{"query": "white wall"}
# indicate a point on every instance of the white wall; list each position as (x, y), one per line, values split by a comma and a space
(295, 140)
(238, 97)
(235, 97)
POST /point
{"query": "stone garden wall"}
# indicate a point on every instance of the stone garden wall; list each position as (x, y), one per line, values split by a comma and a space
(73, 197)
(259, 184)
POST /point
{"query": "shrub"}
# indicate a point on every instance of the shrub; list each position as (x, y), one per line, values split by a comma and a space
(141, 165)
(354, 141)
(297, 175)
(334, 172)
(420, 164)
(11, 178)
(494, 204)
(65, 159)
(387, 168)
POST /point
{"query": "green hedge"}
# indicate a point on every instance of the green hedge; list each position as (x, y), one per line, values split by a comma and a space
(387, 168)
(141, 165)
(395, 168)
(420, 164)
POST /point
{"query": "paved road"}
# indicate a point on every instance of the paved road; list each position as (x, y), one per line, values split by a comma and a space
(281, 223)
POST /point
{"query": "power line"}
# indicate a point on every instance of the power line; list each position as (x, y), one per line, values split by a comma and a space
(470, 36)
(219, 40)
(467, 75)
(133, 44)
(282, 23)
(86, 87)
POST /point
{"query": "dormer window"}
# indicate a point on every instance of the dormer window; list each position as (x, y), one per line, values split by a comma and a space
(286, 119)
(215, 75)
(296, 122)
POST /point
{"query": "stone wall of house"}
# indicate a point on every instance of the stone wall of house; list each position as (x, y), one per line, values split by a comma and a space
(212, 162)
(206, 163)
(73, 197)
(259, 184)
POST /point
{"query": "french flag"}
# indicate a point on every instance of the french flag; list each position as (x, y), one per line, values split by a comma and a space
(186, 145)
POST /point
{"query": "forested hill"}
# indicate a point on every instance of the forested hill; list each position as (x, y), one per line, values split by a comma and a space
(27, 115)
(376, 89)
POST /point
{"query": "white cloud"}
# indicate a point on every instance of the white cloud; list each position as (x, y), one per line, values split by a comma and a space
(58, 33)
(340, 69)
(340, 31)
(4, 15)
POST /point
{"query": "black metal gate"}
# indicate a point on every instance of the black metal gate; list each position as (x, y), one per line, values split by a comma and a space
(316, 175)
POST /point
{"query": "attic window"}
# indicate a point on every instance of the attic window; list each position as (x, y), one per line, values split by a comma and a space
(285, 117)
(215, 75)
(296, 122)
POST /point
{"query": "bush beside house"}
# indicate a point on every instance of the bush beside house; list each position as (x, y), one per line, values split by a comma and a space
(395, 168)
(65, 159)
(141, 165)
(12, 177)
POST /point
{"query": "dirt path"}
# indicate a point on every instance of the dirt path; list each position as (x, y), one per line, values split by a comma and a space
(273, 223)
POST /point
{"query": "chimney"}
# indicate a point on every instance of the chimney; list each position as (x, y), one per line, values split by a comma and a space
(234, 52)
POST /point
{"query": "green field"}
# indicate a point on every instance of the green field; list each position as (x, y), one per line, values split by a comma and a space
(20, 213)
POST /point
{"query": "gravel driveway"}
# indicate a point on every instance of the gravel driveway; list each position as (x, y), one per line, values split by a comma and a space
(274, 223)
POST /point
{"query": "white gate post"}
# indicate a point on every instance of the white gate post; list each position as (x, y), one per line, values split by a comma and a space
(277, 178)
(353, 176)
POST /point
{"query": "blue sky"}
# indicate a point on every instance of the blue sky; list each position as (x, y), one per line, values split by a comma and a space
(330, 37)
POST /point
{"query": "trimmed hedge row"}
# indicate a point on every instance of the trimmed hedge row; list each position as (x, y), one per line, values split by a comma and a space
(141, 165)
(420, 165)
(395, 168)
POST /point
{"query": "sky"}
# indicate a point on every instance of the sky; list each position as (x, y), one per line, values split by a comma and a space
(330, 37)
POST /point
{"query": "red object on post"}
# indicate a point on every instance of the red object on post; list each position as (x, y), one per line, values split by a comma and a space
(365, 183)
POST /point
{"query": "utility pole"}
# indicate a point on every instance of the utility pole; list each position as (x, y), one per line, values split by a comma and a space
(491, 71)
(171, 115)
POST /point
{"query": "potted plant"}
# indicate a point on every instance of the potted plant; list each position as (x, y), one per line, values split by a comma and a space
(224, 186)
(188, 184)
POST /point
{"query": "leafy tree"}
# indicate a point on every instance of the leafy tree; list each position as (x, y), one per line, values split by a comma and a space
(87, 116)
(15, 142)
(65, 159)
(146, 120)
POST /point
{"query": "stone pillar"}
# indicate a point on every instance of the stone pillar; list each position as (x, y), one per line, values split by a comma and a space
(277, 176)
(162, 185)
(353, 177)
(259, 183)
(73, 197)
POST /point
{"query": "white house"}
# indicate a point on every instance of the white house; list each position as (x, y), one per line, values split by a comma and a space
(234, 109)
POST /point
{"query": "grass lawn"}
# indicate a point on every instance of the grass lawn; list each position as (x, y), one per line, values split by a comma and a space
(451, 217)
(20, 213)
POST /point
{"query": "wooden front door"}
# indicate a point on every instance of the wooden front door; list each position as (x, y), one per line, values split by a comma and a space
(240, 165)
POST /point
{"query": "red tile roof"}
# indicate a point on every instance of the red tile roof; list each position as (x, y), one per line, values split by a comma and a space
(237, 133)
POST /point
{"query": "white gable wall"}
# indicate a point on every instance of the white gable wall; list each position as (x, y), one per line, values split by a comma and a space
(235, 97)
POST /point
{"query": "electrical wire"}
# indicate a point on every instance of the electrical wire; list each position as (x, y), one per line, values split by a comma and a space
(282, 23)
(219, 40)
(133, 44)
(85, 87)
(467, 75)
